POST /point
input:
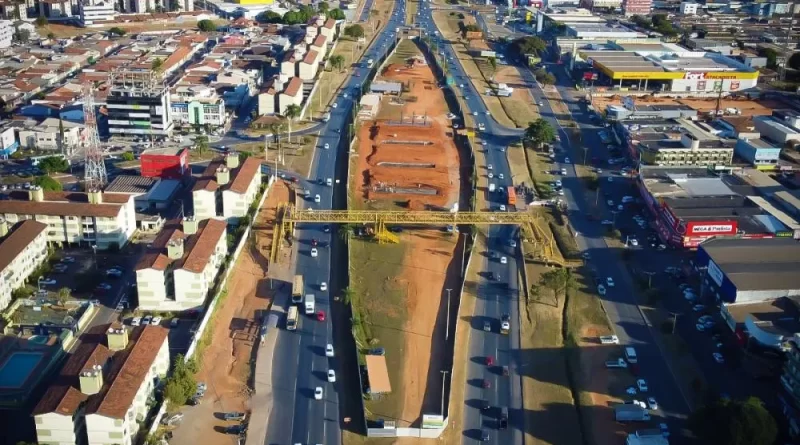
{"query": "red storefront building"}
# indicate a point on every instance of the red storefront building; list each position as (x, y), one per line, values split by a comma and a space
(166, 163)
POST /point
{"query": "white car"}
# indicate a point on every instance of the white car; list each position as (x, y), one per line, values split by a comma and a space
(474, 113)
(156, 321)
(610, 282)
(642, 385)
(314, 252)
(502, 207)
(634, 242)
(558, 183)
(610, 179)
(698, 308)
(652, 404)
(700, 327)
(541, 104)
(332, 376)
(47, 282)
(601, 289)
(563, 172)
(512, 243)
(483, 143)
(136, 321)
(323, 286)
(490, 175)
(631, 390)
(489, 167)
(718, 357)
(334, 105)
(318, 393)
(329, 350)
(610, 203)
(561, 192)
(503, 260)
(317, 198)
(146, 320)
(566, 160)
(501, 176)
(451, 116)
(327, 146)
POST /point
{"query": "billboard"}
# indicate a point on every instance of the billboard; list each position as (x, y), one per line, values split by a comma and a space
(711, 228)
(672, 75)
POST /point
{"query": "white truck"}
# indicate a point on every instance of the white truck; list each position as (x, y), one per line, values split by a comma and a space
(618, 363)
(370, 62)
(609, 340)
(309, 304)
(625, 412)
(492, 187)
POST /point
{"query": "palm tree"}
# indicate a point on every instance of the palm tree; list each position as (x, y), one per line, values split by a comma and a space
(292, 112)
(337, 62)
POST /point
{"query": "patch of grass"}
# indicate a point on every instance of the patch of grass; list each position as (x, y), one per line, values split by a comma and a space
(563, 236)
(404, 51)
(539, 168)
(411, 11)
(297, 155)
(380, 314)
(516, 160)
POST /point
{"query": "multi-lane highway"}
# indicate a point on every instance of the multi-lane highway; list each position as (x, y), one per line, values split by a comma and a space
(300, 363)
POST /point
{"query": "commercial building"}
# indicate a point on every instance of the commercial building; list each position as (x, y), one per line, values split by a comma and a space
(601, 4)
(105, 220)
(637, 7)
(227, 188)
(101, 394)
(94, 12)
(759, 153)
(685, 72)
(8, 140)
(150, 194)
(139, 105)
(691, 205)
(22, 249)
(642, 115)
(601, 31)
(782, 128)
(165, 163)
(46, 135)
(679, 142)
(197, 105)
(551, 18)
(181, 265)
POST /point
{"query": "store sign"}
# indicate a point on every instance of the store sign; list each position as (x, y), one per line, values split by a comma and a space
(675, 75)
(711, 229)
(694, 76)
(714, 272)
(784, 234)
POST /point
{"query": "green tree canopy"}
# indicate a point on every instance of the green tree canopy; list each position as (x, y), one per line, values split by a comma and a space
(336, 14)
(354, 31)
(337, 61)
(48, 184)
(771, 55)
(201, 143)
(206, 26)
(270, 17)
(40, 21)
(181, 384)
(117, 31)
(128, 156)
(323, 7)
(157, 64)
(540, 132)
(731, 422)
(53, 164)
(528, 45)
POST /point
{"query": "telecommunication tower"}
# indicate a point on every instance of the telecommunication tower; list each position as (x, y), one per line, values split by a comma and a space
(95, 175)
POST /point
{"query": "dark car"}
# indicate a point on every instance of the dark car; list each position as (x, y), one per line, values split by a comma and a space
(235, 429)
(235, 415)
(503, 422)
(326, 228)
(485, 405)
(485, 435)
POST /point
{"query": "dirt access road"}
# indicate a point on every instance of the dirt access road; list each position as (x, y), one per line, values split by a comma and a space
(226, 360)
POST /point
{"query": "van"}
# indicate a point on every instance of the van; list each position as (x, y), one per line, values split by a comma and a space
(630, 355)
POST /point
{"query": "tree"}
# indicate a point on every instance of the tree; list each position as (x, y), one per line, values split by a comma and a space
(292, 112)
(540, 132)
(201, 143)
(175, 5)
(729, 422)
(323, 7)
(157, 64)
(492, 64)
(117, 31)
(337, 61)
(357, 31)
(336, 14)
(22, 35)
(181, 384)
(558, 282)
(128, 156)
(528, 45)
(64, 294)
(48, 184)
(40, 21)
(548, 79)
(270, 17)
(772, 57)
(53, 164)
(51, 35)
(206, 25)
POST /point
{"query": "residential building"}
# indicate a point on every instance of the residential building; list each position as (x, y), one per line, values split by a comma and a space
(46, 134)
(198, 105)
(790, 381)
(139, 105)
(227, 175)
(97, 12)
(290, 61)
(13, 11)
(57, 9)
(6, 32)
(101, 395)
(268, 99)
(320, 45)
(308, 67)
(181, 265)
(689, 8)
(165, 163)
(329, 29)
(237, 85)
(22, 249)
(637, 7)
(292, 95)
(105, 220)
(759, 153)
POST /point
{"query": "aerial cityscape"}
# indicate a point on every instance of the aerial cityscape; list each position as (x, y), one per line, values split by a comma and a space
(261, 222)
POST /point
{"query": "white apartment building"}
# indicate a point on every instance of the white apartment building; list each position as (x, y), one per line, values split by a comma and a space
(227, 189)
(689, 8)
(6, 32)
(197, 105)
(45, 135)
(96, 12)
(293, 94)
(99, 219)
(22, 249)
(100, 396)
(181, 266)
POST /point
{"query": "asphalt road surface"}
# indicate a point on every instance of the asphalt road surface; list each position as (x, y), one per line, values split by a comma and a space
(300, 364)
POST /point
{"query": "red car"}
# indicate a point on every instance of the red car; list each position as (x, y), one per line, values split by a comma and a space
(487, 383)
(489, 361)
(314, 242)
(321, 315)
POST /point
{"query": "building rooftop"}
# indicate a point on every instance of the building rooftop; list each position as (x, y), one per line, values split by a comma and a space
(779, 316)
(295, 86)
(131, 184)
(123, 374)
(166, 151)
(757, 264)
(18, 238)
(197, 249)
(64, 204)
(245, 174)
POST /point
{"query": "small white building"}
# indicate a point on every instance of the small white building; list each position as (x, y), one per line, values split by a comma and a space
(689, 8)
(22, 249)
(197, 105)
(227, 188)
(96, 12)
(293, 94)
(7, 32)
(308, 67)
(45, 135)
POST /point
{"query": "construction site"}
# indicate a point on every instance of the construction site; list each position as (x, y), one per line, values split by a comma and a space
(744, 106)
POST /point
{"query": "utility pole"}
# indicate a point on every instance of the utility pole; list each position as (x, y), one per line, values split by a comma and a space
(674, 320)
(447, 328)
(649, 278)
(444, 376)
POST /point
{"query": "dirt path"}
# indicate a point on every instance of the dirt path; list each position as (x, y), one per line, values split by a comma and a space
(226, 361)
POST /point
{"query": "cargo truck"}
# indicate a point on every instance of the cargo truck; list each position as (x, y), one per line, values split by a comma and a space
(291, 319)
(297, 289)
(512, 196)
(310, 304)
(631, 413)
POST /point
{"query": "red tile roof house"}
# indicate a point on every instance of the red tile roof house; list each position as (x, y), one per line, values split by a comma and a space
(293, 94)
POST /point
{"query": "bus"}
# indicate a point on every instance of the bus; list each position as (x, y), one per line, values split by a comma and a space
(512, 196)
(297, 289)
(292, 319)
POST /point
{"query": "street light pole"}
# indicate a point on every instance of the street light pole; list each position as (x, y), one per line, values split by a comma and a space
(447, 328)
(444, 376)
(649, 279)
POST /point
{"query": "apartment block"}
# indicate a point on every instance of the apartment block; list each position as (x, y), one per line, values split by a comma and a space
(6, 33)
(100, 396)
(139, 105)
(181, 265)
(227, 188)
(96, 12)
(105, 220)
(22, 249)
